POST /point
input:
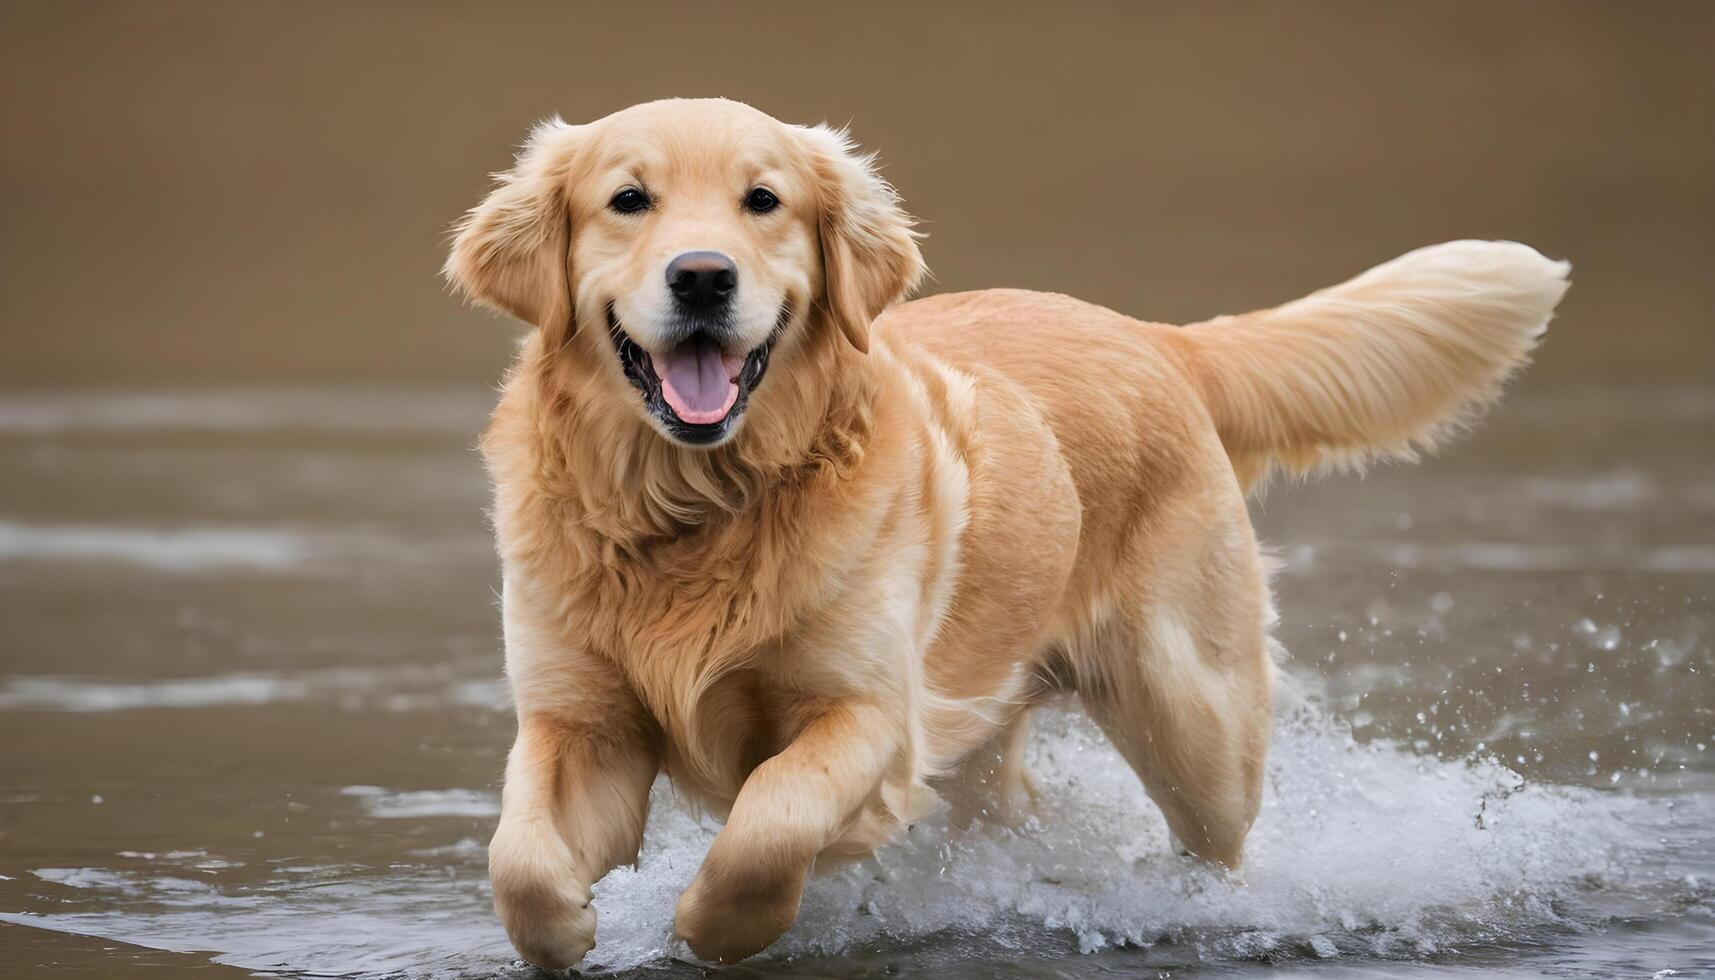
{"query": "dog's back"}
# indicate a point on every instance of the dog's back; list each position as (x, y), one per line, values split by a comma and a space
(1381, 366)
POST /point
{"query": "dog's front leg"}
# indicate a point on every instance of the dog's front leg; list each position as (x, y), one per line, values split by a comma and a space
(577, 789)
(790, 808)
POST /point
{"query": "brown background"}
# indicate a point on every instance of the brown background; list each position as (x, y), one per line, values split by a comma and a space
(215, 192)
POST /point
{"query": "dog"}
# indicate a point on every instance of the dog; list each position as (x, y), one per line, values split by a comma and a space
(817, 554)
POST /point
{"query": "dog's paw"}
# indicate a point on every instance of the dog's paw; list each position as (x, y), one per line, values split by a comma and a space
(539, 897)
(726, 918)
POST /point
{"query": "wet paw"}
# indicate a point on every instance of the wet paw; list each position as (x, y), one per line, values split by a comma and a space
(541, 901)
(727, 921)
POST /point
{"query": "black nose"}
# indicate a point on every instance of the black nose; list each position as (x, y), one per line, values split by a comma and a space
(703, 281)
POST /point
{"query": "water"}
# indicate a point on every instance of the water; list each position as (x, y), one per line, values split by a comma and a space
(252, 720)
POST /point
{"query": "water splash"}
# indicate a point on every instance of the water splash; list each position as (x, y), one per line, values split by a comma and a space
(1360, 851)
(1362, 847)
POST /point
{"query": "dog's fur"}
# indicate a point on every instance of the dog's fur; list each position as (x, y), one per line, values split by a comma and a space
(927, 520)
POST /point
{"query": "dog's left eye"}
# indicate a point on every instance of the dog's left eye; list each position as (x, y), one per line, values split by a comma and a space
(629, 201)
(761, 200)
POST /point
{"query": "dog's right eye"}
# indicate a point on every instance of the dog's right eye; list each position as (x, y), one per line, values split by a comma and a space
(629, 201)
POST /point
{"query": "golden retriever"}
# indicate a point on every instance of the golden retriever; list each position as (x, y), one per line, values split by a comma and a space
(817, 555)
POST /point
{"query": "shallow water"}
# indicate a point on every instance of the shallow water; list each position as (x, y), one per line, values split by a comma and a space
(252, 720)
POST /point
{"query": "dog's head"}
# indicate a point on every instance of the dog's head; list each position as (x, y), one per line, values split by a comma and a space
(678, 247)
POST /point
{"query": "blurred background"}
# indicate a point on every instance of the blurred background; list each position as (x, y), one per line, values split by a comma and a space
(251, 708)
(261, 191)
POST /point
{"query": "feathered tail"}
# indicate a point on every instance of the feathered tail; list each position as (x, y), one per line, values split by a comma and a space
(1382, 366)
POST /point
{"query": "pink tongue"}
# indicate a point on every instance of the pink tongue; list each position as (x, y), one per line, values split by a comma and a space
(697, 380)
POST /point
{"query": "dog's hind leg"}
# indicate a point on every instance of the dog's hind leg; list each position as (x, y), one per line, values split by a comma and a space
(1181, 686)
(1193, 728)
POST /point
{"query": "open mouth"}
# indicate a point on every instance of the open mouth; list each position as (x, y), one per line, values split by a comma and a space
(697, 389)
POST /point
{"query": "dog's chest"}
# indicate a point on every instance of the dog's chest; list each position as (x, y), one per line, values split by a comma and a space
(743, 718)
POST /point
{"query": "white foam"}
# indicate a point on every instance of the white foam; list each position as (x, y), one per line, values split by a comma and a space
(1617, 490)
(409, 804)
(173, 550)
(1360, 851)
(1352, 839)
(74, 695)
(215, 548)
(406, 688)
(1504, 556)
(368, 408)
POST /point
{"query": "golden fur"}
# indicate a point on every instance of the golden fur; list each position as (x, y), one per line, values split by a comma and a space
(931, 517)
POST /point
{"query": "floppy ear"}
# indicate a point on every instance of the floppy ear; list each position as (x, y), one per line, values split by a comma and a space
(870, 258)
(509, 252)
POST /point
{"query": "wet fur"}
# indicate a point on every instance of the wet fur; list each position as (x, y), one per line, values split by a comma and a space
(931, 518)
